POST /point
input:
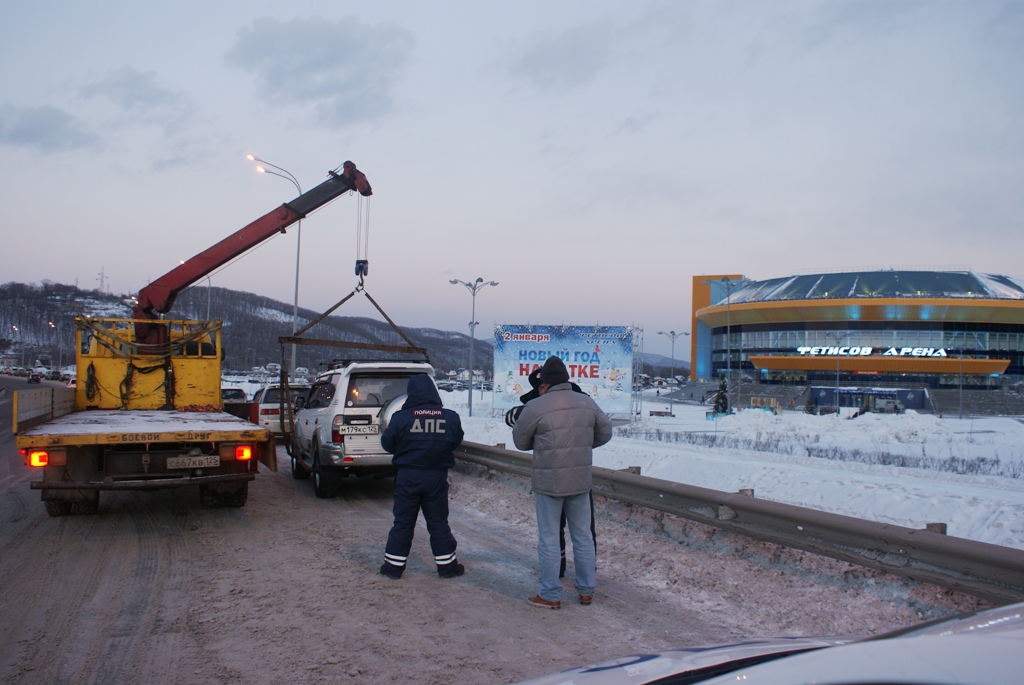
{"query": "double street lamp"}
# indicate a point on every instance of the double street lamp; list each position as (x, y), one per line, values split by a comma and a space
(287, 175)
(474, 287)
(672, 335)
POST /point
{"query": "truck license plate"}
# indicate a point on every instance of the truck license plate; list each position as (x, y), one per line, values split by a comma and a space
(201, 462)
(370, 429)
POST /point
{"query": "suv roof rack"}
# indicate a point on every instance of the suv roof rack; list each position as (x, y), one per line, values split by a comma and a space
(342, 363)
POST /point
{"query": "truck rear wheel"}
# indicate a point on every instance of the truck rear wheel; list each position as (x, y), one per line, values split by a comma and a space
(89, 503)
(208, 497)
(57, 507)
(237, 498)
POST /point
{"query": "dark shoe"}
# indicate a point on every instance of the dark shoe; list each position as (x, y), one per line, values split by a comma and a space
(539, 601)
(451, 570)
(390, 571)
(585, 600)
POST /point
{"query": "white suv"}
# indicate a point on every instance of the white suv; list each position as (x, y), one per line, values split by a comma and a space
(339, 421)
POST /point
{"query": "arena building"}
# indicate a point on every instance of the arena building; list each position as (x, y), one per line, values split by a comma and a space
(859, 332)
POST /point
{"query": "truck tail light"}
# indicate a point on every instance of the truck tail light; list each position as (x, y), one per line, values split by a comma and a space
(39, 457)
(236, 452)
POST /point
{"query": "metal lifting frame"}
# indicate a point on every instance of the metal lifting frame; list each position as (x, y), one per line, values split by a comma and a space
(296, 339)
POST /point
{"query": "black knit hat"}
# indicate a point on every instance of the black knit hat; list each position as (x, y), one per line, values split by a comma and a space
(554, 372)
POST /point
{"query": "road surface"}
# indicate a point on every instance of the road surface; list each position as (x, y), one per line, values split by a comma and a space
(155, 589)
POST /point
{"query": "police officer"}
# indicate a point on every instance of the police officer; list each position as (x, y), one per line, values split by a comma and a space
(422, 436)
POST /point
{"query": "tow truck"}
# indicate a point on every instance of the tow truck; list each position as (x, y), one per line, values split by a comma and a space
(146, 412)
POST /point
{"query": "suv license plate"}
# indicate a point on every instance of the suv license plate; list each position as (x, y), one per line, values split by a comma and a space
(205, 461)
(370, 429)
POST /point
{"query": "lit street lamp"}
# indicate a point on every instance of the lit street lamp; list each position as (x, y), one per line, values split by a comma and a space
(287, 175)
(21, 344)
(672, 335)
(60, 350)
(474, 287)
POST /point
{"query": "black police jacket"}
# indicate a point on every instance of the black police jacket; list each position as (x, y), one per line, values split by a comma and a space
(423, 434)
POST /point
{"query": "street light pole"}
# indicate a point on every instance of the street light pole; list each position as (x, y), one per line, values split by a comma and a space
(961, 378)
(60, 352)
(21, 343)
(728, 342)
(838, 336)
(474, 287)
(672, 335)
(287, 175)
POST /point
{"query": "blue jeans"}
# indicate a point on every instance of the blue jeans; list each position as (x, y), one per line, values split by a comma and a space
(584, 557)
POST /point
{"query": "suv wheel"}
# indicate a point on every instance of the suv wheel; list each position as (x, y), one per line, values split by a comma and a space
(299, 471)
(321, 487)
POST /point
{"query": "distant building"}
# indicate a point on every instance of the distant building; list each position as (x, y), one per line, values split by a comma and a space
(930, 329)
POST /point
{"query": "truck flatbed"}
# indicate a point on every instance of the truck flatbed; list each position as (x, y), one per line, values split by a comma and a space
(117, 427)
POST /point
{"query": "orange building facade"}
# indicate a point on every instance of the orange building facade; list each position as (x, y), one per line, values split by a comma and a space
(928, 329)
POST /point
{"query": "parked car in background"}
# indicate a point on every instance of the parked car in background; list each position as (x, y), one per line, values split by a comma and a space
(233, 395)
(267, 406)
(980, 648)
(236, 402)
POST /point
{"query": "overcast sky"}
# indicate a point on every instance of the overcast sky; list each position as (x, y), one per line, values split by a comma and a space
(590, 156)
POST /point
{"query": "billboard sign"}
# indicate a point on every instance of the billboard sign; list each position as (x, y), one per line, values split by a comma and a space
(599, 360)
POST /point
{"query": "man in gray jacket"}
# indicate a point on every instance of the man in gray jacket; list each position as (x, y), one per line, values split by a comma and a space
(562, 428)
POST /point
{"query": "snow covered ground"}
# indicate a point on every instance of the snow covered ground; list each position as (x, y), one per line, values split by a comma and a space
(967, 473)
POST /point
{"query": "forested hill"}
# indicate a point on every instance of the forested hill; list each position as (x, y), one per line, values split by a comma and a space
(37, 321)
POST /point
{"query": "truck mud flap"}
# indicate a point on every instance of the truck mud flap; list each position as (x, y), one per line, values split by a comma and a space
(266, 454)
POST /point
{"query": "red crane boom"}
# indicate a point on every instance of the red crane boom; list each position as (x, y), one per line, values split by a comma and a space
(158, 297)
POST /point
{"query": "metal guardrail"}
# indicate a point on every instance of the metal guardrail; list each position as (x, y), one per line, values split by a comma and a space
(985, 570)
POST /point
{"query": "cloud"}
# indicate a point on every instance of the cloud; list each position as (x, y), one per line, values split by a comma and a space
(570, 59)
(140, 97)
(856, 21)
(345, 70)
(45, 129)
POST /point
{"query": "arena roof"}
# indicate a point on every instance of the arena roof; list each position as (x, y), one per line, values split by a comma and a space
(875, 284)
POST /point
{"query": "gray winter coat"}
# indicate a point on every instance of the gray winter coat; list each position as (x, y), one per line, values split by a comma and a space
(562, 428)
